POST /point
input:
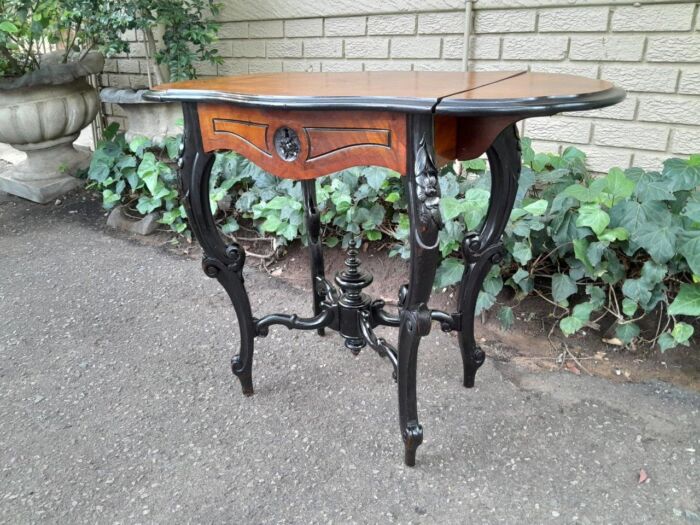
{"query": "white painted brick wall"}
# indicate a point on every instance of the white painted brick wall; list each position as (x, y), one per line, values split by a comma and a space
(601, 159)
(266, 29)
(510, 21)
(303, 27)
(690, 82)
(648, 78)
(323, 48)
(607, 48)
(284, 49)
(652, 50)
(391, 25)
(678, 17)
(573, 19)
(674, 48)
(561, 129)
(534, 47)
(416, 47)
(439, 23)
(673, 110)
(630, 135)
(685, 140)
(367, 47)
(346, 26)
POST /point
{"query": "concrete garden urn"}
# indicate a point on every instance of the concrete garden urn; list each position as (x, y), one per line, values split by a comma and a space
(42, 113)
(155, 120)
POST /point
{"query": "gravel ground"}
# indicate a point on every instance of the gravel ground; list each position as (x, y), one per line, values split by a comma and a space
(117, 405)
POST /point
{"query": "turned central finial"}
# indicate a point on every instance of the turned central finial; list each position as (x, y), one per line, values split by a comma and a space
(352, 262)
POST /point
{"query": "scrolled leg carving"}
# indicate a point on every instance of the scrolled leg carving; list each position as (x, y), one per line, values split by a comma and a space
(221, 261)
(423, 194)
(483, 249)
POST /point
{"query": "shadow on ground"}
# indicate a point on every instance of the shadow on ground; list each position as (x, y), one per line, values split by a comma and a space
(117, 405)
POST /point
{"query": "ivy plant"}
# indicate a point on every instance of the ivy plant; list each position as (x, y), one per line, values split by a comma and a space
(139, 175)
(622, 246)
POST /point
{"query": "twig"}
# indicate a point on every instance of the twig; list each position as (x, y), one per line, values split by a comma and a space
(566, 348)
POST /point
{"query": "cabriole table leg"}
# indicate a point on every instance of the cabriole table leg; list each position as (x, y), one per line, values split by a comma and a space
(484, 248)
(423, 193)
(221, 261)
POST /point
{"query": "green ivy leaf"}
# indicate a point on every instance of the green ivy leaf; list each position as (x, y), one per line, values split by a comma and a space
(597, 296)
(687, 302)
(659, 240)
(689, 247)
(594, 217)
(629, 307)
(139, 144)
(331, 241)
(652, 187)
(392, 197)
(581, 253)
(618, 185)
(653, 274)
(109, 198)
(632, 215)
(474, 165)
(230, 226)
(450, 208)
(562, 287)
(666, 342)
(692, 211)
(449, 272)
(522, 253)
(682, 332)
(484, 301)
(595, 253)
(682, 174)
(474, 206)
(375, 177)
(570, 325)
(271, 224)
(537, 208)
(506, 317)
(373, 235)
(614, 234)
(637, 290)
(626, 332)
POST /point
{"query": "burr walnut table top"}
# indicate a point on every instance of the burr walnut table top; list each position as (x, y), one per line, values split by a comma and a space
(461, 94)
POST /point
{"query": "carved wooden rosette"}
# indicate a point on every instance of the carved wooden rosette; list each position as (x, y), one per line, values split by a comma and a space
(306, 144)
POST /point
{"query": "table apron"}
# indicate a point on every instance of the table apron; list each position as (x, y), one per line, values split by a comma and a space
(297, 144)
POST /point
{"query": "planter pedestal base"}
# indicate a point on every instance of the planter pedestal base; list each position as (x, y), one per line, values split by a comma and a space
(45, 174)
(41, 191)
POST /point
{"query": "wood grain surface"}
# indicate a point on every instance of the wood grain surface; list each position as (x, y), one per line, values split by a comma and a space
(329, 140)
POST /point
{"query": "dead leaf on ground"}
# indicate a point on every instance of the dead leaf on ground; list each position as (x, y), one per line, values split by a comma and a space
(572, 368)
(599, 355)
(613, 341)
(643, 476)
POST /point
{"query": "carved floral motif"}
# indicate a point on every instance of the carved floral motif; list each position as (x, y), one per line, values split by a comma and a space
(427, 188)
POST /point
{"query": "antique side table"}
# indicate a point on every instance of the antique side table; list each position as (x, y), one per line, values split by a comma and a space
(305, 125)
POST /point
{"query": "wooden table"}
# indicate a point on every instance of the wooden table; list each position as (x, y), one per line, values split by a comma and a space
(305, 125)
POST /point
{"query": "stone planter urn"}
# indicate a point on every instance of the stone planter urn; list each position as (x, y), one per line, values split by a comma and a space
(155, 120)
(42, 113)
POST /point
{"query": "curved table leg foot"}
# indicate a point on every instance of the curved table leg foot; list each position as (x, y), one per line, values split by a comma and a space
(484, 248)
